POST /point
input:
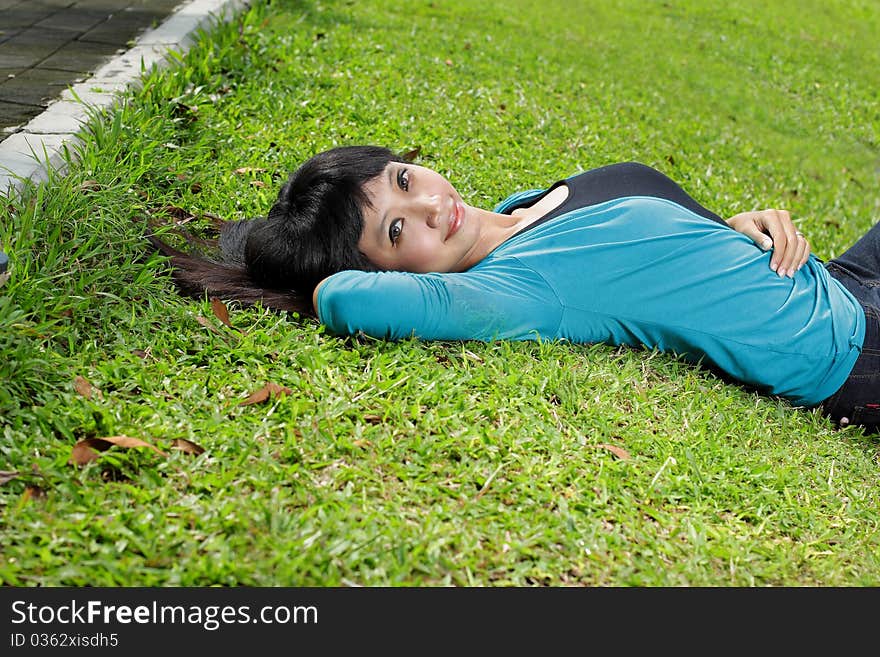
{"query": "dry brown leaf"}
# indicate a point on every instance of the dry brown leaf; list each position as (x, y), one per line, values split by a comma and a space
(220, 311)
(179, 215)
(33, 493)
(85, 388)
(7, 475)
(84, 451)
(412, 154)
(619, 452)
(187, 446)
(207, 324)
(257, 183)
(361, 442)
(204, 321)
(268, 390)
(372, 418)
(245, 170)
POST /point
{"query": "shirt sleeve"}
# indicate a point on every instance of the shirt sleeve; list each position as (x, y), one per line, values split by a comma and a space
(504, 303)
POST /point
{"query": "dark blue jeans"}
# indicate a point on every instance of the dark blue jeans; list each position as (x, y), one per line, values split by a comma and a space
(858, 399)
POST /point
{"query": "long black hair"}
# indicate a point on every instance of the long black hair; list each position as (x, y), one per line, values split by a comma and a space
(311, 232)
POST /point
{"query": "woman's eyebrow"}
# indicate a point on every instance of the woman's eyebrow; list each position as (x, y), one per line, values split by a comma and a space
(385, 214)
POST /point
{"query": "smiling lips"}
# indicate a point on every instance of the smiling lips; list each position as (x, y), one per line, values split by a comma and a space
(457, 216)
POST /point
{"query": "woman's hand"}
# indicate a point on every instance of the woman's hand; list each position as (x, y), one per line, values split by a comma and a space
(774, 228)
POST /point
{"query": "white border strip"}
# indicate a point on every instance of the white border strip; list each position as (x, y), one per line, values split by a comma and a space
(41, 144)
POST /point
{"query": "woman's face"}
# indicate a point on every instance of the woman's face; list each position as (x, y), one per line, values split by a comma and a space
(417, 222)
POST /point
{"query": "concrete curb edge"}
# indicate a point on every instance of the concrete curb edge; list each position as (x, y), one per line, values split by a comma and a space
(45, 142)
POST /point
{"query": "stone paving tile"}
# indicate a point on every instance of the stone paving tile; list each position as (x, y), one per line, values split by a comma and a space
(101, 5)
(35, 86)
(162, 6)
(6, 72)
(79, 57)
(24, 15)
(74, 18)
(16, 113)
(54, 4)
(121, 28)
(31, 46)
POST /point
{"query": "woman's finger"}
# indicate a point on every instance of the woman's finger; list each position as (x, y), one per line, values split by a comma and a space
(789, 257)
(781, 240)
(803, 250)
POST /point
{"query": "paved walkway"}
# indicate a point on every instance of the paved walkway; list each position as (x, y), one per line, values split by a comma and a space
(46, 45)
(58, 57)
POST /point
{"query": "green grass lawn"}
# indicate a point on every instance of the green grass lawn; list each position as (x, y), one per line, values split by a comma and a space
(424, 464)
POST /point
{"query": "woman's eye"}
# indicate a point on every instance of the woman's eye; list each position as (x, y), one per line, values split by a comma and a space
(394, 230)
(403, 179)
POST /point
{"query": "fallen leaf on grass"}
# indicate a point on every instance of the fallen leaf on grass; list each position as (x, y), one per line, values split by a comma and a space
(412, 154)
(87, 185)
(179, 215)
(245, 170)
(268, 390)
(619, 452)
(33, 492)
(7, 475)
(187, 446)
(85, 388)
(220, 311)
(204, 321)
(84, 451)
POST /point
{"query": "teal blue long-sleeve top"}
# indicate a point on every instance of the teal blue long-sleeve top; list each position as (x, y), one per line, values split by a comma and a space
(635, 270)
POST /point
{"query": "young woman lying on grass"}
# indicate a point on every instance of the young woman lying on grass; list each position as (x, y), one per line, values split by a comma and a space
(369, 242)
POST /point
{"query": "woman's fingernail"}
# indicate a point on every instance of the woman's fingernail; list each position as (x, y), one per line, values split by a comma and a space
(773, 266)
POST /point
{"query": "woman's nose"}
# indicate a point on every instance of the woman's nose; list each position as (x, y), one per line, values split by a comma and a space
(432, 210)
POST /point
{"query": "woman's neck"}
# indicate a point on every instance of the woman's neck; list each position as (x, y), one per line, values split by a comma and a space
(496, 228)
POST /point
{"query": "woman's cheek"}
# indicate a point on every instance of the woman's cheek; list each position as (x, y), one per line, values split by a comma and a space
(422, 256)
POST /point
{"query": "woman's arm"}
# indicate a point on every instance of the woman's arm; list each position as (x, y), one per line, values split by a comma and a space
(774, 228)
(315, 295)
(507, 303)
